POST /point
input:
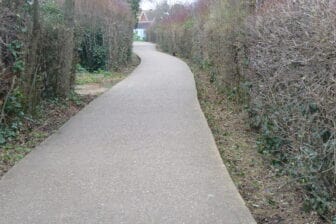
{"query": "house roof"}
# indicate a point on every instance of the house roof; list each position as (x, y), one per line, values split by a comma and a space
(146, 19)
(146, 16)
(143, 17)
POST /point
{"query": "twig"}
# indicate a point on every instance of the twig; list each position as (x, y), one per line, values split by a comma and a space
(2, 116)
(2, 42)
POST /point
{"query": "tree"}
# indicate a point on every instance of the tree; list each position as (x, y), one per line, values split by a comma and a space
(29, 76)
(135, 6)
(66, 75)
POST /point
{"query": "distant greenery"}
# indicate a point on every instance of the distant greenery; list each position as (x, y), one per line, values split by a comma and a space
(93, 53)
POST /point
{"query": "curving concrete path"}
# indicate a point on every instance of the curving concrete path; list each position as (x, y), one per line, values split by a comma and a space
(142, 153)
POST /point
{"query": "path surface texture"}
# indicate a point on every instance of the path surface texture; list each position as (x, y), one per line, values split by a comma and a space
(142, 153)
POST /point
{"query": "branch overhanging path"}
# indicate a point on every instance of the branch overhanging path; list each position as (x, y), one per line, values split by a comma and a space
(140, 153)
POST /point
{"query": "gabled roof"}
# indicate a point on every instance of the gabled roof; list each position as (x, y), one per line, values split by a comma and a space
(143, 17)
(146, 19)
(146, 16)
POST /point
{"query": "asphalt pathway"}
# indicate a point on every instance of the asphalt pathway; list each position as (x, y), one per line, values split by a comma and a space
(142, 153)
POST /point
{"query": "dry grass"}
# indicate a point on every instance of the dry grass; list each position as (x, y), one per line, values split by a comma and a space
(98, 82)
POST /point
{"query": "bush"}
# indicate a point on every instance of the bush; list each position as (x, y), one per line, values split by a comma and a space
(92, 52)
(293, 65)
(104, 33)
(38, 44)
(52, 38)
(42, 41)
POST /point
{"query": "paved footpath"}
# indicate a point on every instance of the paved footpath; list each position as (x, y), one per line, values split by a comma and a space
(142, 153)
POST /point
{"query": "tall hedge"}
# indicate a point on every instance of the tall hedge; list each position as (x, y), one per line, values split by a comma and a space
(293, 70)
(42, 41)
(278, 58)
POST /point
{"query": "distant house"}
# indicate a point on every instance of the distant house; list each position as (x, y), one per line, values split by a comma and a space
(145, 20)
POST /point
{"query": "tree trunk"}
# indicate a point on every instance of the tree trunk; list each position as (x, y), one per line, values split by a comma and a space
(66, 79)
(30, 73)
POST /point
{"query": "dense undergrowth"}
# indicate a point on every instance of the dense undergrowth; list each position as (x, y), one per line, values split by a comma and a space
(277, 60)
(43, 42)
(271, 197)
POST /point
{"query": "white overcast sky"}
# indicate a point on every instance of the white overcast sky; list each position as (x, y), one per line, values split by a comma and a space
(150, 4)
